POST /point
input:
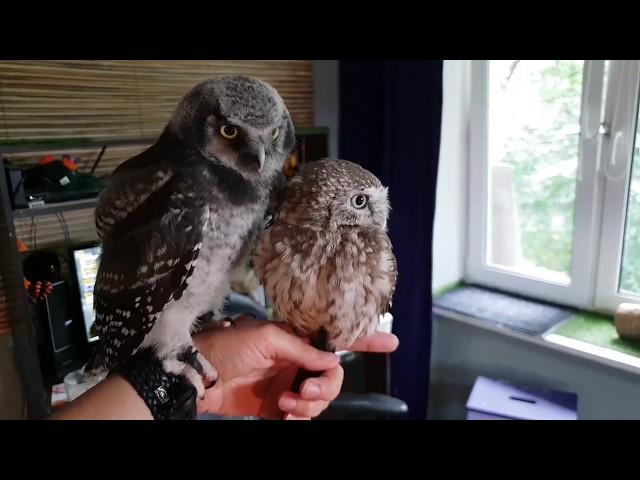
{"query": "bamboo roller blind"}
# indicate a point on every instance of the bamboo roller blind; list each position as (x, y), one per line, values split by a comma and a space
(113, 100)
(125, 99)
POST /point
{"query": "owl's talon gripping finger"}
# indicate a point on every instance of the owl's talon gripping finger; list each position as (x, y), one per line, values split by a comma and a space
(210, 374)
(197, 366)
(196, 381)
(229, 322)
(190, 357)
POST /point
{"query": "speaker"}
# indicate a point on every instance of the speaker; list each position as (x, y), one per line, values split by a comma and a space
(15, 182)
(60, 351)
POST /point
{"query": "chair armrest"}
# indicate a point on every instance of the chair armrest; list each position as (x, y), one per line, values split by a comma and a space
(374, 406)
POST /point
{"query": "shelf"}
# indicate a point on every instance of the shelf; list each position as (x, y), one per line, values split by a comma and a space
(302, 131)
(73, 144)
(55, 146)
(55, 208)
(551, 341)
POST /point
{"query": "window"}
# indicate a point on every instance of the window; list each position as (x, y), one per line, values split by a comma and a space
(555, 180)
(630, 276)
(534, 128)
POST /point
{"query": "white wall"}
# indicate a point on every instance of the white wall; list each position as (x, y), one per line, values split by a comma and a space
(450, 225)
(462, 352)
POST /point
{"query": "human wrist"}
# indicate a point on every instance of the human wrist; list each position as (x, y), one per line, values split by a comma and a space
(167, 396)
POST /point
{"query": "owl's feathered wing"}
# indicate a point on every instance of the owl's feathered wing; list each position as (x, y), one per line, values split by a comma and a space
(151, 220)
(391, 273)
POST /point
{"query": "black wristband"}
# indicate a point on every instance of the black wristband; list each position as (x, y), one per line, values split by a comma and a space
(168, 396)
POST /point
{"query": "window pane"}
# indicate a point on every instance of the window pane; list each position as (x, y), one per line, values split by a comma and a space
(630, 273)
(534, 131)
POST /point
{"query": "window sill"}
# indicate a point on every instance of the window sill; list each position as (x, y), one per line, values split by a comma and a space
(570, 346)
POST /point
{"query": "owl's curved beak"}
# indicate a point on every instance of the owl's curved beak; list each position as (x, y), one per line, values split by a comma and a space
(261, 155)
(254, 155)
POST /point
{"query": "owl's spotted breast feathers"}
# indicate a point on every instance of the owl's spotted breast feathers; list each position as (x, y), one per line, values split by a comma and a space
(341, 281)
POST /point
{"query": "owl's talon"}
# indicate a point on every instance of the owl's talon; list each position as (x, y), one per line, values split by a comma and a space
(197, 366)
(194, 366)
(229, 322)
(210, 374)
(190, 357)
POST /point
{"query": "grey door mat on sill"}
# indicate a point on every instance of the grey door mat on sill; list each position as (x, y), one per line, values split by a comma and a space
(501, 309)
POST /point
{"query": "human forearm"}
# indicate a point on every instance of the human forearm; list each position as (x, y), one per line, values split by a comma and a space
(112, 399)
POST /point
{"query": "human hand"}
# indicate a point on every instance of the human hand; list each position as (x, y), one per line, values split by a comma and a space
(257, 362)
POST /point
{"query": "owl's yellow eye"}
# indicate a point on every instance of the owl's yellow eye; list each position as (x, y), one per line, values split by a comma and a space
(275, 133)
(228, 131)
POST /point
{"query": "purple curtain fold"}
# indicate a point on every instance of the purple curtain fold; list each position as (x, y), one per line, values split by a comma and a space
(390, 115)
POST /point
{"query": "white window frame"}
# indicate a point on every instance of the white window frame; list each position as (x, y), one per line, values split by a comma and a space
(600, 204)
(622, 112)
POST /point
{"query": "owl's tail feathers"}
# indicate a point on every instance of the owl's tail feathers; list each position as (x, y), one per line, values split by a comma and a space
(319, 340)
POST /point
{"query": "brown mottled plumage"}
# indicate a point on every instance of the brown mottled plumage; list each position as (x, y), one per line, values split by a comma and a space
(326, 261)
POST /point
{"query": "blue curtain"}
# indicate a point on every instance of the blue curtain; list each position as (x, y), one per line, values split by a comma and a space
(390, 114)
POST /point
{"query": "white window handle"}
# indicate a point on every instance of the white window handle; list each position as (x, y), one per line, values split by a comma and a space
(617, 137)
(614, 156)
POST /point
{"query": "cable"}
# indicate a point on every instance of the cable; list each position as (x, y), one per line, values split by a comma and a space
(33, 234)
(65, 228)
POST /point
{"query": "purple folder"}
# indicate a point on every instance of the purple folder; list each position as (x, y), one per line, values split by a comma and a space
(499, 400)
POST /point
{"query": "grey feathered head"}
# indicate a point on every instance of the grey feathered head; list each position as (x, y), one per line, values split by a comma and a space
(239, 121)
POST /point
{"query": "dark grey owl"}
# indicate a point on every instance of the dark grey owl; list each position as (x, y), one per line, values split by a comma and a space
(326, 261)
(177, 219)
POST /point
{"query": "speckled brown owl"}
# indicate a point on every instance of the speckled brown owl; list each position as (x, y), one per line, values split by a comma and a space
(326, 261)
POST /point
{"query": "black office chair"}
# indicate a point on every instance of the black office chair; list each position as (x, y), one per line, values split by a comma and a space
(365, 391)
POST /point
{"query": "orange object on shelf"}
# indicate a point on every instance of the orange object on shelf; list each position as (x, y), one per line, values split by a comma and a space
(68, 162)
(22, 247)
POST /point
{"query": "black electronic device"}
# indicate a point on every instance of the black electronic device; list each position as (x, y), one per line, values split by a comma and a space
(54, 182)
(60, 351)
(15, 182)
